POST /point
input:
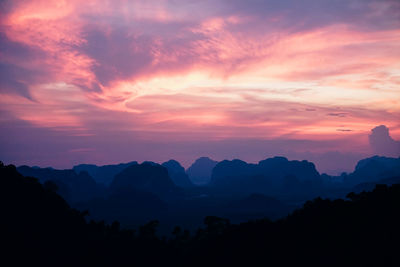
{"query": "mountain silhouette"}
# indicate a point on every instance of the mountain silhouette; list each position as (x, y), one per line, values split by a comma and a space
(280, 167)
(73, 187)
(270, 176)
(200, 171)
(146, 177)
(103, 174)
(374, 169)
(177, 173)
(39, 227)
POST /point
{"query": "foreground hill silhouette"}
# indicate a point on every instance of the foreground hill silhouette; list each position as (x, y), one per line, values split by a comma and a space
(39, 227)
(363, 231)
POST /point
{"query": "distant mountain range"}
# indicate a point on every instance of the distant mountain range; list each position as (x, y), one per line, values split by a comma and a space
(268, 176)
(147, 177)
(198, 173)
(72, 187)
(374, 169)
(103, 174)
(135, 193)
(177, 173)
(40, 228)
(201, 170)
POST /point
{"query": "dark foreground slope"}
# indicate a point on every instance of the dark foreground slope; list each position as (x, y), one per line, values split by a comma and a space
(362, 231)
(38, 227)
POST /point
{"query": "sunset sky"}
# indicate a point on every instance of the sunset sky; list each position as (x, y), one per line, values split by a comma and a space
(114, 81)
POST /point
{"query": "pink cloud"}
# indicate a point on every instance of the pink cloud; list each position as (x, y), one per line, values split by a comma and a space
(215, 70)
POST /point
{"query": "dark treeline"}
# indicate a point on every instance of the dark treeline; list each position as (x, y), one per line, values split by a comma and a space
(40, 228)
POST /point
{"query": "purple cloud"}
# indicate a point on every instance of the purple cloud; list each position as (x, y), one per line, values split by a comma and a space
(382, 143)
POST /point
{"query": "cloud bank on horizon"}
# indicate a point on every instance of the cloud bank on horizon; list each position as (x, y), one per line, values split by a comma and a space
(101, 81)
